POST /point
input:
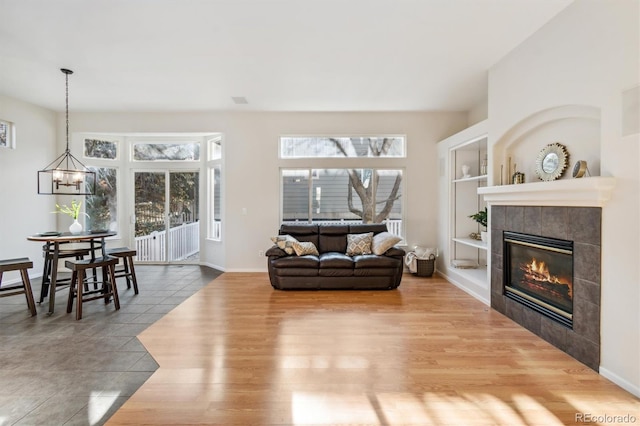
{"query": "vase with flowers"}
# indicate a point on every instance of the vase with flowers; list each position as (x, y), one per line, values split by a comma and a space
(74, 212)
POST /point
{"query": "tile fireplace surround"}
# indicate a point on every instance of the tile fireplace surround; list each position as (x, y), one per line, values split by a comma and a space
(582, 225)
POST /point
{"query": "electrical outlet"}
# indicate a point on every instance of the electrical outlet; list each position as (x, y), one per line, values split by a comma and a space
(260, 253)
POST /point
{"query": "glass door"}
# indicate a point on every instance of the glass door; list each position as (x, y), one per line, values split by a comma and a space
(167, 223)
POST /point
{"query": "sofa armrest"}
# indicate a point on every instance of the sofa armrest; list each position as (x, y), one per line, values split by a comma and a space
(395, 251)
(275, 251)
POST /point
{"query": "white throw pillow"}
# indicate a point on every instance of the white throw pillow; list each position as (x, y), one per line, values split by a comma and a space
(383, 242)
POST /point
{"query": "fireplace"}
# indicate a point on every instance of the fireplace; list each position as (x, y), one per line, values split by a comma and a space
(539, 274)
(575, 329)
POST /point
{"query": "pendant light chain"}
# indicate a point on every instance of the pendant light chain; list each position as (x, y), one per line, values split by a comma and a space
(66, 76)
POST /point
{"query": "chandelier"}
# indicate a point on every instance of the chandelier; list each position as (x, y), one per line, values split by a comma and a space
(66, 175)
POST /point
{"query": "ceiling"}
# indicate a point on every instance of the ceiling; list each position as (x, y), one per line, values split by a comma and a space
(281, 55)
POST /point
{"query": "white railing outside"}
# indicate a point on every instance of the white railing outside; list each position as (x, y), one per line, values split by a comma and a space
(184, 241)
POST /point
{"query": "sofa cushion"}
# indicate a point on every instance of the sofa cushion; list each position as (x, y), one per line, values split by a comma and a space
(359, 243)
(306, 232)
(311, 262)
(284, 242)
(333, 238)
(374, 272)
(331, 272)
(336, 261)
(305, 248)
(361, 228)
(383, 242)
(296, 272)
(374, 261)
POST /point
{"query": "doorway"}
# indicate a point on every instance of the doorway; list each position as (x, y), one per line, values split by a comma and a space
(166, 216)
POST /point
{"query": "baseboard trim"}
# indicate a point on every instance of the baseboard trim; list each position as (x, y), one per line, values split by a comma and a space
(623, 383)
(464, 288)
(213, 266)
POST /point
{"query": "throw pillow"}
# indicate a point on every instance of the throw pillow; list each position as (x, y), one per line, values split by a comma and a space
(285, 242)
(383, 242)
(303, 248)
(359, 243)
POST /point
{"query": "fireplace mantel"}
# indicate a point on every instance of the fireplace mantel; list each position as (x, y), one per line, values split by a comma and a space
(584, 192)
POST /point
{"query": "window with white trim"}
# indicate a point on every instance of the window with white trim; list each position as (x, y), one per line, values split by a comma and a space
(214, 166)
(347, 192)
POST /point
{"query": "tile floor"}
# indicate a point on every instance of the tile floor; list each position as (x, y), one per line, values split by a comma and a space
(55, 370)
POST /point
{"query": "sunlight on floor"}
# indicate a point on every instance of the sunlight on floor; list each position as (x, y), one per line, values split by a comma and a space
(98, 407)
(322, 409)
(430, 409)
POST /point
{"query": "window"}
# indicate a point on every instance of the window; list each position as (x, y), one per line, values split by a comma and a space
(329, 195)
(215, 233)
(149, 151)
(215, 149)
(103, 149)
(7, 134)
(362, 183)
(342, 147)
(102, 207)
(215, 188)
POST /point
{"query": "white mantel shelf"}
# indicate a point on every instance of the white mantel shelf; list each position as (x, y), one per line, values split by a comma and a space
(584, 192)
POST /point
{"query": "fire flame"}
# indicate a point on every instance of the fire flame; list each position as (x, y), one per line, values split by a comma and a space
(539, 271)
(540, 268)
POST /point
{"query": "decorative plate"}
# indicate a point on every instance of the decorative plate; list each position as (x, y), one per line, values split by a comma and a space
(552, 161)
(49, 234)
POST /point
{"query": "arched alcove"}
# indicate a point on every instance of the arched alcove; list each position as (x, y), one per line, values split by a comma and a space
(577, 127)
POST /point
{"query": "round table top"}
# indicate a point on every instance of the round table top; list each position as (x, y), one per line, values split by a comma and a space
(68, 236)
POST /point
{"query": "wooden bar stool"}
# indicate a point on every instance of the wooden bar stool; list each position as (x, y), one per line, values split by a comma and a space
(47, 252)
(127, 271)
(20, 264)
(77, 288)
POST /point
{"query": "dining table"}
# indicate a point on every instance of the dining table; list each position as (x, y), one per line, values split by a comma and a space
(95, 239)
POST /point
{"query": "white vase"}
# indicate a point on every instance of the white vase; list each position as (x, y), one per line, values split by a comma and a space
(75, 227)
(483, 236)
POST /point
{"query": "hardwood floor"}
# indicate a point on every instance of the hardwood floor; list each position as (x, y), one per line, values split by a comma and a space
(240, 353)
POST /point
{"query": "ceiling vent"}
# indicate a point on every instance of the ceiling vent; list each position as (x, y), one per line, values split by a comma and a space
(239, 100)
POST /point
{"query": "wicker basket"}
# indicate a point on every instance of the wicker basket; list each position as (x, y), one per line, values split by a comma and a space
(425, 267)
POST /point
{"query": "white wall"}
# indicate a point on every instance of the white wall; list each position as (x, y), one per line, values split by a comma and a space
(251, 166)
(589, 55)
(22, 211)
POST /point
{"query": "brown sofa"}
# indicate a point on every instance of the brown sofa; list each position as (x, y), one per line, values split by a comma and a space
(333, 268)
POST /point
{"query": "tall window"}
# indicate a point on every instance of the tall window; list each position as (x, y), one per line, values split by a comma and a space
(346, 193)
(215, 184)
(102, 207)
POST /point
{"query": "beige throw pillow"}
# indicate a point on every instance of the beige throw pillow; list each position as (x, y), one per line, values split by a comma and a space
(285, 242)
(359, 243)
(383, 242)
(303, 248)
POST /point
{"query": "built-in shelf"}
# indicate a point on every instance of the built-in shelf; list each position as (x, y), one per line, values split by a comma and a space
(584, 192)
(471, 179)
(471, 242)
